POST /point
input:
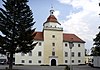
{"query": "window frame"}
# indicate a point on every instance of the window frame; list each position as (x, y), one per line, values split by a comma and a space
(22, 61)
(66, 61)
(53, 44)
(22, 54)
(30, 53)
(66, 54)
(79, 45)
(40, 43)
(39, 53)
(53, 36)
(72, 61)
(73, 54)
(39, 61)
(79, 54)
(79, 61)
(30, 61)
(53, 53)
(66, 44)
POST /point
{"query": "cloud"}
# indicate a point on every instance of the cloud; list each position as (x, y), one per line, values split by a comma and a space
(84, 23)
(57, 13)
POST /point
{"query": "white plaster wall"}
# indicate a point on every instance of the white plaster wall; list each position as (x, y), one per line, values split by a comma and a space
(51, 24)
(75, 49)
(34, 57)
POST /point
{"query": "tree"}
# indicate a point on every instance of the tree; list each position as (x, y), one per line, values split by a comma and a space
(86, 52)
(17, 35)
(96, 50)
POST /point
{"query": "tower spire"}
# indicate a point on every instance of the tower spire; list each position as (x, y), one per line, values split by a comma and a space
(52, 10)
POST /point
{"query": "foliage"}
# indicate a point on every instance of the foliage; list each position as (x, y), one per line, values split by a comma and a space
(16, 21)
(96, 50)
(67, 68)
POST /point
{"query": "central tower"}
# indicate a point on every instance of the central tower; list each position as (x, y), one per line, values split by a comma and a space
(53, 41)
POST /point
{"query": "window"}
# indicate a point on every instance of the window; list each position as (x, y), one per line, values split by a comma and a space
(40, 44)
(53, 53)
(72, 54)
(79, 61)
(66, 54)
(39, 61)
(72, 61)
(53, 36)
(73, 45)
(79, 54)
(30, 61)
(39, 53)
(30, 53)
(53, 44)
(53, 49)
(78, 45)
(23, 61)
(22, 54)
(65, 44)
(2, 55)
(66, 61)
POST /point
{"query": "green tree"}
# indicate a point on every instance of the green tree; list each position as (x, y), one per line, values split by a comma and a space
(86, 52)
(16, 27)
(96, 50)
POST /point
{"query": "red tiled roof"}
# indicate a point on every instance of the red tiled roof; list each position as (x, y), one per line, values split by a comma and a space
(66, 37)
(52, 18)
(72, 37)
(39, 36)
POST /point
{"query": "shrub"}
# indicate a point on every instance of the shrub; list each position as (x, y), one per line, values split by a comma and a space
(67, 68)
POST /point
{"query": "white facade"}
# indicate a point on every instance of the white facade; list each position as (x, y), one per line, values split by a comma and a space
(38, 60)
(3, 58)
(33, 59)
(88, 59)
(76, 58)
(96, 61)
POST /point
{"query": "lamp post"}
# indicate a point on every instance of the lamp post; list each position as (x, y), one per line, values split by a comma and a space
(70, 47)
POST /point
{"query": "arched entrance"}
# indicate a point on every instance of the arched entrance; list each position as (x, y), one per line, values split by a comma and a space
(53, 62)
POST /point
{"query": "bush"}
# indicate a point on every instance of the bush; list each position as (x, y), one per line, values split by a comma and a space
(67, 68)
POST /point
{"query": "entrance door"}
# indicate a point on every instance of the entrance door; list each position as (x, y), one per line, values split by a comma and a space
(53, 62)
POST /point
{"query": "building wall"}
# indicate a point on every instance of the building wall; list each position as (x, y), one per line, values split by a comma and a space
(36, 60)
(48, 46)
(46, 56)
(88, 59)
(76, 49)
(3, 58)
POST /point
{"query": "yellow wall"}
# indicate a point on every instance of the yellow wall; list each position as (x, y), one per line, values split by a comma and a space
(48, 40)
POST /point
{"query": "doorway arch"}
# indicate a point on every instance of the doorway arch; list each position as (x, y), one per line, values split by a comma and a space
(53, 62)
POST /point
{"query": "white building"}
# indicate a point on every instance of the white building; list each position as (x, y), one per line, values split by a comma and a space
(88, 59)
(3, 59)
(53, 47)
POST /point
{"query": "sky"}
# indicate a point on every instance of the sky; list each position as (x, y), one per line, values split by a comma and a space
(79, 17)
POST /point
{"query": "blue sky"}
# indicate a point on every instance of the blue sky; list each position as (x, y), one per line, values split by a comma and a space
(76, 16)
(41, 10)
